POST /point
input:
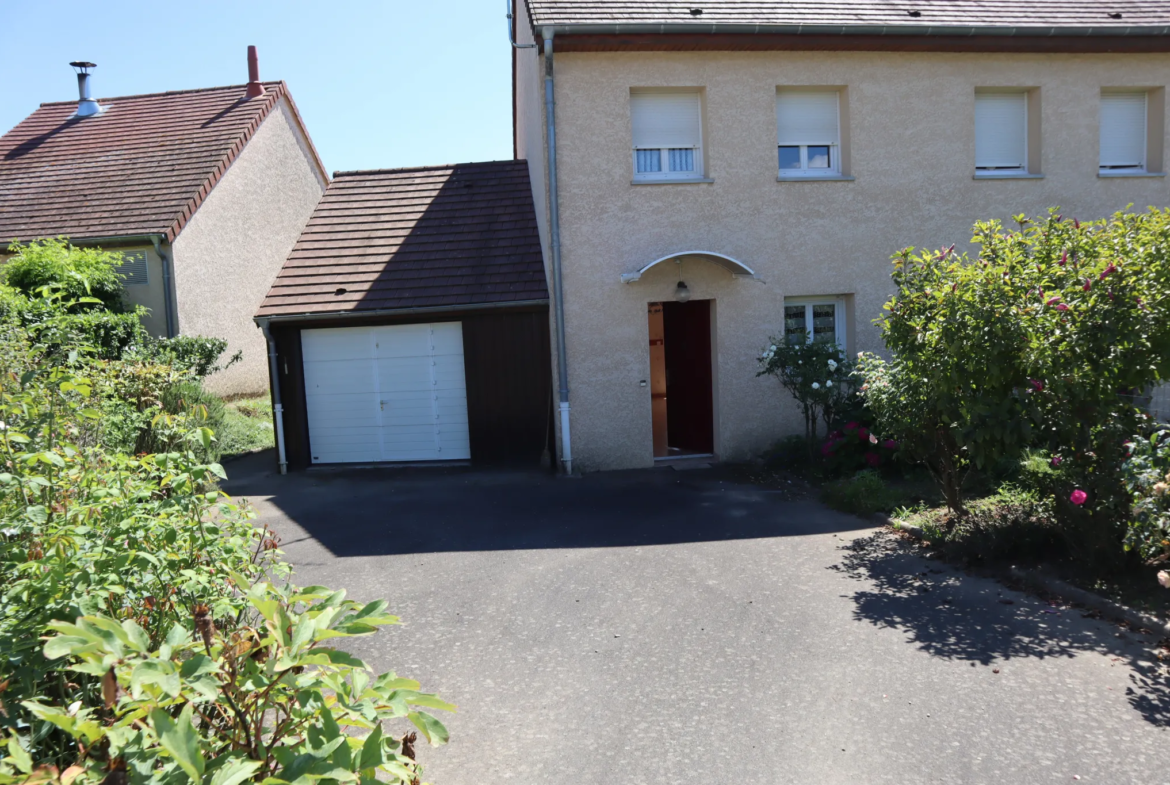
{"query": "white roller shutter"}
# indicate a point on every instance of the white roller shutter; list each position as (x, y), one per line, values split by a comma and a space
(665, 120)
(1123, 131)
(1001, 130)
(387, 393)
(804, 118)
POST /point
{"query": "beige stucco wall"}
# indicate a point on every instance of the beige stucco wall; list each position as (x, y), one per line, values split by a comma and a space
(912, 154)
(227, 256)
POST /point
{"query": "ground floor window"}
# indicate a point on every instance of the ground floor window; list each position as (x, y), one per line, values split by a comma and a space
(814, 319)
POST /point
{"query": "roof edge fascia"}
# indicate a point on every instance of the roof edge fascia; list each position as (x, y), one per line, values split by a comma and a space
(308, 316)
(691, 28)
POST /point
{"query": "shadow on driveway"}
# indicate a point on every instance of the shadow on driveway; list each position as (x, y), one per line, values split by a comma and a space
(933, 607)
(387, 511)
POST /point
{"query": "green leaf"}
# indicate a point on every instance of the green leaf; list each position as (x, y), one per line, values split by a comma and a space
(19, 756)
(372, 756)
(160, 672)
(430, 727)
(234, 771)
(179, 738)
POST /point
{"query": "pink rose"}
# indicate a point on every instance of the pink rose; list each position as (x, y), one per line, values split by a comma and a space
(1088, 285)
(1052, 301)
(1037, 385)
(1107, 271)
(1064, 259)
(890, 444)
(862, 433)
(1061, 307)
(1164, 579)
(1078, 497)
(1056, 460)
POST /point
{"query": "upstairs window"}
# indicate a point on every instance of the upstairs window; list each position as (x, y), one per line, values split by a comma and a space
(668, 135)
(1123, 132)
(134, 268)
(1001, 133)
(808, 133)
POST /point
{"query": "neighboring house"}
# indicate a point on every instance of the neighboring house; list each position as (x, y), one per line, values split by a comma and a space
(204, 191)
(773, 155)
(410, 322)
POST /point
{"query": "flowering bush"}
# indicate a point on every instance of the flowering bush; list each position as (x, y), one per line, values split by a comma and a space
(815, 374)
(855, 447)
(1035, 343)
(1147, 477)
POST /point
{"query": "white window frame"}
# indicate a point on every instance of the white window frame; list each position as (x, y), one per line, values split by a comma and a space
(834, 167)
(664, 173)
(130, 258)
(1143, 167)
(839, 327)
(1005, 171)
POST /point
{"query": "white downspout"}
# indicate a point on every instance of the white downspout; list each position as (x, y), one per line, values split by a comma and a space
(277, 408)
(555, 242)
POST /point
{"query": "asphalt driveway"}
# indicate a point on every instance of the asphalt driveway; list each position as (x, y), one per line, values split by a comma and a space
(676, 627)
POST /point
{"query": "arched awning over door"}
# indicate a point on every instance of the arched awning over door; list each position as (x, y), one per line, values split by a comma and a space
(737, 268)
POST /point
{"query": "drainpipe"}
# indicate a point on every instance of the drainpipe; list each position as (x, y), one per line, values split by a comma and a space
(555, 238)
(169, 306)
(277, 408)
(512, 32)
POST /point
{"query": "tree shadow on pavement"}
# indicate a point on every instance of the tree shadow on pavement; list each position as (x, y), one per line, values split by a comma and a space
(949, 614)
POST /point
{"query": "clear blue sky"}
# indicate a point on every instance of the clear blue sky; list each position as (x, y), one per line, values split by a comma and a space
(379, 84)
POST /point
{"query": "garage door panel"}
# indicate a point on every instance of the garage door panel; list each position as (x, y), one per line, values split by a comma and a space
(386, 393)
(337, 344)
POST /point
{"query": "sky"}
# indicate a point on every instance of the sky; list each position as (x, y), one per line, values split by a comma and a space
(378, 84)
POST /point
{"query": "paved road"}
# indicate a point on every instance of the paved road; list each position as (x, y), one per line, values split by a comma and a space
(675, 627)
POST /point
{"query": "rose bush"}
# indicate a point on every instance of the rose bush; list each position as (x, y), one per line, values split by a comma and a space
(816, 374)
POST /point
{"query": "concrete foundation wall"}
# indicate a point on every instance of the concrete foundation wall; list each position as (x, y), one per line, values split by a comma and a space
(227, 256)
(911, 138)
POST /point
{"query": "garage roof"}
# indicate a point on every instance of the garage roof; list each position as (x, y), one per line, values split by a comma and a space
(430, 237)
(142, 166)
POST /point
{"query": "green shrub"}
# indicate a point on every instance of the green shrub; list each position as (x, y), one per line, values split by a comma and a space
(109, 334)
(176, 655)
(1033, 344)
(865, 493)
(197, 354)
(814, 373)
(1147, 478)
(79, 273)
(1012, 525)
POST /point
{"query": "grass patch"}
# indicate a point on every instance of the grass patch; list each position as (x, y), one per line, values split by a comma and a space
(246, 427)
(867, 493)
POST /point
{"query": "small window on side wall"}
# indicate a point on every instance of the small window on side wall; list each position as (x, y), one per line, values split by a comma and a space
(808, 126)
(667, 131)
(1124, 125)
(814, 320)
(1001, 132)
(133, 268)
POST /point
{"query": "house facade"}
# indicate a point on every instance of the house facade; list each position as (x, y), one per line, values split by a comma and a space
(204, 192)
(739, 173)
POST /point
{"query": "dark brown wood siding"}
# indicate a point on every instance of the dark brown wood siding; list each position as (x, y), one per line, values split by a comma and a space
(509, 386)
(509, 382)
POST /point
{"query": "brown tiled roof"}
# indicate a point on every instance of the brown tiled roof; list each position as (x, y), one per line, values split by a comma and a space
(454, 235)
(988, 15)
(143, 166)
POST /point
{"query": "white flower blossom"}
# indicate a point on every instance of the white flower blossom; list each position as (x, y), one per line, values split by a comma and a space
(829, 383)
(816, 385)
(832, 365)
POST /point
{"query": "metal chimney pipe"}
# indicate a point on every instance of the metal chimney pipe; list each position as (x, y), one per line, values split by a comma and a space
(86, 106)
(254, 87)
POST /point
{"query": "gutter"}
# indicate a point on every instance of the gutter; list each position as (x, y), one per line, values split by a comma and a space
(670, 28)
(555, 241)
(277, 407)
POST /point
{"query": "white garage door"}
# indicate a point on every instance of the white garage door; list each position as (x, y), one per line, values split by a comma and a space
(386, 393)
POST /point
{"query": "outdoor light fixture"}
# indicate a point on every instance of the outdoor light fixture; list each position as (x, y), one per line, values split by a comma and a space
(681, 292)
